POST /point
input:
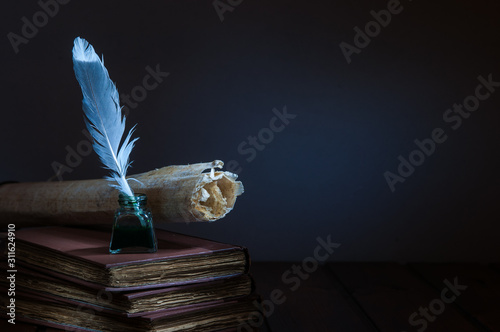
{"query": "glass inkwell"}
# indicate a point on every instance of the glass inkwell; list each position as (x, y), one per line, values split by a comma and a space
(133, 229)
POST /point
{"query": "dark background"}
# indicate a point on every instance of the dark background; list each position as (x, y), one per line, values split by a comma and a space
(323, 174)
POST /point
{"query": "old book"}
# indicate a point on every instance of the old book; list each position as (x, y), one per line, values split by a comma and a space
(132, 303)
(35, 309)
(84, 254)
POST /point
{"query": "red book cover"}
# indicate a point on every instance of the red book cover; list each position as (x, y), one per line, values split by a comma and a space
(74, 252)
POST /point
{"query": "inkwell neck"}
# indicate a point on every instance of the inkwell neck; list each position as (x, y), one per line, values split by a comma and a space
(131, 202)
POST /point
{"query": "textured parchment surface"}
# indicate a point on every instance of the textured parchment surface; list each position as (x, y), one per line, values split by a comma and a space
(182, 193)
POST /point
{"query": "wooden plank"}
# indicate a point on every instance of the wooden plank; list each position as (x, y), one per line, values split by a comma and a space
(390, 294)
(479, 299)
(313, 303)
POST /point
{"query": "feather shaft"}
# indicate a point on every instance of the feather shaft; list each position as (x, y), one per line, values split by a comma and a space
(103, 116)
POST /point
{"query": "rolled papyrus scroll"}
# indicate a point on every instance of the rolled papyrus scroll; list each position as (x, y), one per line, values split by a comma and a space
(175, 194)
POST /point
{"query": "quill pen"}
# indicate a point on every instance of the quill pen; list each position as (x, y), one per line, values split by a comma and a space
(103, 116)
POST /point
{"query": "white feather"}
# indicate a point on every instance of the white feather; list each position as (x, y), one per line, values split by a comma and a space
(103, 116)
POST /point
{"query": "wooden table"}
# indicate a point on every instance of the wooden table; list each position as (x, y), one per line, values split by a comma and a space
(386, 297)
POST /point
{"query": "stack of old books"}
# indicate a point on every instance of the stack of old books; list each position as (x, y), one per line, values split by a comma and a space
(66, 279)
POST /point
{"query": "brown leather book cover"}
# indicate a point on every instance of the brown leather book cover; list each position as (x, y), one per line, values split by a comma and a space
(77, 316)
(84, 254)
(130, 302)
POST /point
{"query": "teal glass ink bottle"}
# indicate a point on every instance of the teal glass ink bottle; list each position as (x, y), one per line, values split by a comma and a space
(133, 230)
